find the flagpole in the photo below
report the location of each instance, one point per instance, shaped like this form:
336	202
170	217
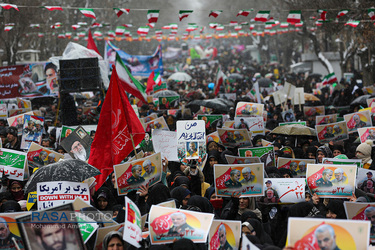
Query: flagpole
135	151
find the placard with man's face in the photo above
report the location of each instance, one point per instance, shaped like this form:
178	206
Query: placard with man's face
78	144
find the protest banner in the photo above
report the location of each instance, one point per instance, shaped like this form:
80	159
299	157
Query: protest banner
325	119
156	88
331	181
266	154
283	190
312	233
165	142
292	123
133	228
32	130
288	116
78	144
224	234
366	134
191	139
245	178
366	180
169	224
234	137
31	199
358	120
10	233
169	102
211	122
231	159
13	163
131	175
158	123
213	137
296	166
103	231
249	109
39	156
55	193
171	204
336	161
313	111
253	124
332	132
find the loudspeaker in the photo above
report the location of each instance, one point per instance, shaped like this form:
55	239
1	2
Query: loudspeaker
79	75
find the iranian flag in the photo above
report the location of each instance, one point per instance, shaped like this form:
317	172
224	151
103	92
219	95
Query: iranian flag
209	36
158	32
8	6
213	25
37	26
284	25
151	25
96	34
352	23
371	13
52	8
215	13
233	23
120	11
220	76
221	35
342	13
152	16
111	33
8	26
76	26
184	13
173	26
329	79
192	27
294	16
87	12
82	23
220	27
40	34
130	84
323	14
244	12
143	30
61	35
127	25
252	26
120	30
83	34
262	16
238	27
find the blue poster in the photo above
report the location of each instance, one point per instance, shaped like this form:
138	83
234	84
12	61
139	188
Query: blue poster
139	65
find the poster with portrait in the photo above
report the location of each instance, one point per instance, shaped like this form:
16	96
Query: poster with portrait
245	178
191	139
312	233
168	224
296	166
266	154
148	118
370	101
325	119
331	181
133	226
228	124
332	132
131	175
234	137
9	230
165	142
335	161
358	120
253	124
78	144
211	122
288	116
366	180
65	132
366	134
213	137
313	111
13	163
16	121
231	159
32	130
158	123
39	156
249	109
224	234
169	102
283	190
3	111
103	231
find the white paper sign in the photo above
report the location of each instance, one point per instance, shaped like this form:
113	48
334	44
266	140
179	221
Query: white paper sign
55	193
191	138
284	190
289	89
3	110
254	124
299	97
166	143
133	228
279	97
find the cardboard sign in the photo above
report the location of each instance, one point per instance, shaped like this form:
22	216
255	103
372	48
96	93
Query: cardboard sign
366	134
332	132
366	180
213	137
358	120
234	137
313	111
228	124
191	139
39	156
169	224
55	193
249	109
211	122
284	190
244	178
133	228
78	144
241	160
306	233
165	142
296	166
291	123
331	181
131	175
13	163
32	130
171	204
169	102
246	244
299	96
335	161
224	229
325	119
65	132
253	124
149	118
158	123
266	154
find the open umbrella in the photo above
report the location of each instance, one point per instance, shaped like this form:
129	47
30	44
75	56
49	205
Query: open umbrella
294	129
65	170
165	93
265	82
236	76
218	104
180	76
310	97
360	100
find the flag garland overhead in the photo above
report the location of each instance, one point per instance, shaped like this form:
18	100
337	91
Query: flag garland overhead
294	16
371	13
87	12
8	6
52	8
184	14
262	16
323	14
244	12
152	16
215	13
342	13
120	11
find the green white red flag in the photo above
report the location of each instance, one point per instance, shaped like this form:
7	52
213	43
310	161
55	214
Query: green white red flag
152	16
88	12
342	13
8	26
244	12
294	16
262	16
371	13
8	6
120	30
215	13
37	26
323	14
52	8
329	79
352	23
220	77
143	30
120	11
184	13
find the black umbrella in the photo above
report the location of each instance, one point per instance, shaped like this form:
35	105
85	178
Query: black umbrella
265	82
236	76
65	170
218	104
165	93
360	100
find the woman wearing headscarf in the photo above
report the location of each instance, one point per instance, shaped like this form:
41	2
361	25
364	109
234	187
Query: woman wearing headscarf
103	199
202	203
113	240
237	206
256	229
323	152
181	195
208	170
16	189
216	202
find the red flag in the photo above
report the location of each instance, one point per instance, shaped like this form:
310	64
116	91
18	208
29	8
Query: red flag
308	242
91	43
311	180
150	82
222	179
117	122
